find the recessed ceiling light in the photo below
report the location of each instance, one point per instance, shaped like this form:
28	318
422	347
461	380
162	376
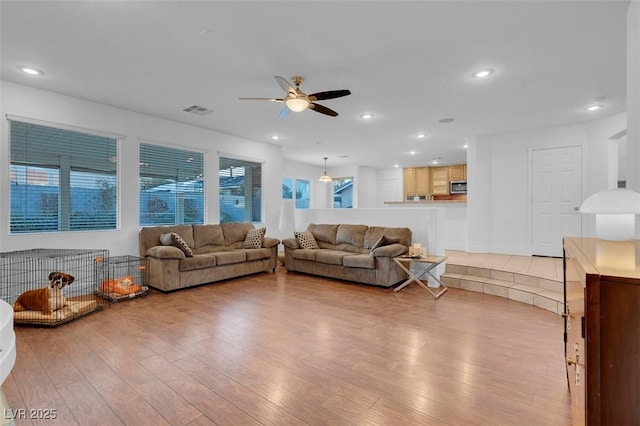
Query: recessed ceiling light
465	146
482	73
422	135
275	137
446	120
366	116
396	166
436	160
30	70
412	152
594	107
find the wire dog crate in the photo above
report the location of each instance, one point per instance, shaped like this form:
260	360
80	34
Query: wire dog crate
127	278
49	287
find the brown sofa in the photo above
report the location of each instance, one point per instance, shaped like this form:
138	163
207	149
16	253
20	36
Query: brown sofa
345	252
218	254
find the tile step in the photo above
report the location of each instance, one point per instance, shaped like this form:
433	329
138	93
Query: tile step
509	287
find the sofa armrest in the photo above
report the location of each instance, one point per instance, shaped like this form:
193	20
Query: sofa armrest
391	250
291	243
165	252
269	242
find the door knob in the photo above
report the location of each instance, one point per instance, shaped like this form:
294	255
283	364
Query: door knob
576	208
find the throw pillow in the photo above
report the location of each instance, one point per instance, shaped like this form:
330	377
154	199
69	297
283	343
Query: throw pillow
254	238
166	239
173	239
306	240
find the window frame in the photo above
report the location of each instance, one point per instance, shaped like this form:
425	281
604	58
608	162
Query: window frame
173	203
61	170
231	158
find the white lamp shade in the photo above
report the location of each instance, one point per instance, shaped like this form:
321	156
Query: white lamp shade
612	201
615	211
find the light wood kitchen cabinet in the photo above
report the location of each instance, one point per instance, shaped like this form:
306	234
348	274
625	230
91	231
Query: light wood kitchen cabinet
440	180
458	172
423	180
409	182
415	182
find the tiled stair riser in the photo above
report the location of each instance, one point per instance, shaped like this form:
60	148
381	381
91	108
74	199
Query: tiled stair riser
544	293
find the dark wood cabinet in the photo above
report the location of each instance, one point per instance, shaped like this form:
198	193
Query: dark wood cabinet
602	330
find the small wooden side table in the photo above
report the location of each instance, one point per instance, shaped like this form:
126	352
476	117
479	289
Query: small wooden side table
428	263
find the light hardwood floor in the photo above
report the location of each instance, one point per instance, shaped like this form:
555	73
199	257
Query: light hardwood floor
291	349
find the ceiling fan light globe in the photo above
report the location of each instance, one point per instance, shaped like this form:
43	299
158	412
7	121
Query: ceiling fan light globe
297	104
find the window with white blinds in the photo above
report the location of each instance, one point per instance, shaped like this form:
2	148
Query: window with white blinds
240	190
171	186
61	180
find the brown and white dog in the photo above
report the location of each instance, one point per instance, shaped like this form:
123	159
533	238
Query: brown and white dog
47	299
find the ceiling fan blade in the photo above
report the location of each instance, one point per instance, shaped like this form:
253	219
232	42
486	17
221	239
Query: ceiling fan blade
262	99
331	94
322	109
284	113
286	86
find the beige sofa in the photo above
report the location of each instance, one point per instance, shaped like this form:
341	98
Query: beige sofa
345	252
218	254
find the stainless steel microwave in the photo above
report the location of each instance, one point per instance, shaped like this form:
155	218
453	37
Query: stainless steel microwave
458	187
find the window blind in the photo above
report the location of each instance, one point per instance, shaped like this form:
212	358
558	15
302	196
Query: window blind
61	180
240	190
171	185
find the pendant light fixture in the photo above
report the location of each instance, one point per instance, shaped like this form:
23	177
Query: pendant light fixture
325	177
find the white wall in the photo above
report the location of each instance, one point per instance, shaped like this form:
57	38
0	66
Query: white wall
426	224
389	183
633	98
499	190
51	107
319	190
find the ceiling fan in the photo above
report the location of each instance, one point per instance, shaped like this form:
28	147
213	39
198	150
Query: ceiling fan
297	101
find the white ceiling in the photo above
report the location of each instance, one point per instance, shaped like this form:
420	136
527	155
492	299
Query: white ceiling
409	63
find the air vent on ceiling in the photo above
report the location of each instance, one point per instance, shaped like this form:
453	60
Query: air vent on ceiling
197	110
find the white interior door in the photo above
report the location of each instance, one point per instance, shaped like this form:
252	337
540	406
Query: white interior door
556	197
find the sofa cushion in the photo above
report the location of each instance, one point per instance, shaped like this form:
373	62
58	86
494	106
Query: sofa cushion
209	248
204	235
254	237
384	241
165	252
324	232
306	240
391	250
332	257
173	239
257	254
229	257
359	261
198	261
235	232
351	234
374	233
305	254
